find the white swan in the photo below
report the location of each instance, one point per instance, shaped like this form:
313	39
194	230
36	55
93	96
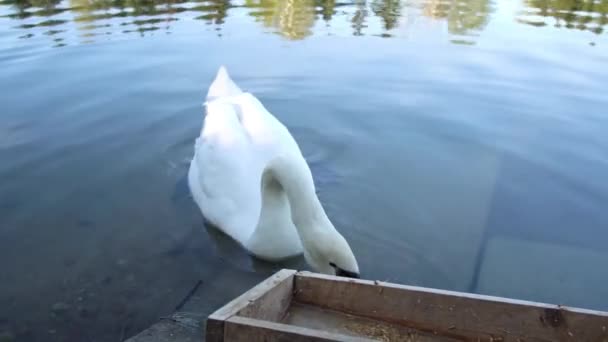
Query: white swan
250	180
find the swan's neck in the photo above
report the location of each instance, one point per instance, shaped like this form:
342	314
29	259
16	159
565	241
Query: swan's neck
307	212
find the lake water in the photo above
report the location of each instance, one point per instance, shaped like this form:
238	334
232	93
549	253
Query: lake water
461	145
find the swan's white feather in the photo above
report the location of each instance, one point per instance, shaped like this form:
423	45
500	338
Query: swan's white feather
226	177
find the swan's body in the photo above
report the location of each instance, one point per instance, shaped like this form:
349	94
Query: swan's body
249	179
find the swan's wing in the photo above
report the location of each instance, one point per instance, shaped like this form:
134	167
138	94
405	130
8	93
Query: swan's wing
225	173
269	136
238	140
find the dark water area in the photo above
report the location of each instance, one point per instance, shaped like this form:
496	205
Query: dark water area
460	145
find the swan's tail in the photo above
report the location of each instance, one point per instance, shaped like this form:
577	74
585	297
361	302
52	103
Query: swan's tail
222	86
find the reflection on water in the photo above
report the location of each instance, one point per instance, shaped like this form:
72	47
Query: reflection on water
588	15
389	11
292	19
463	17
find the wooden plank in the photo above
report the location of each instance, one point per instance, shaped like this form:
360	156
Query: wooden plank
244	329
452	313
272	304
215	322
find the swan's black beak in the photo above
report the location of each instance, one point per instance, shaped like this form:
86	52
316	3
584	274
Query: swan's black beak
343	273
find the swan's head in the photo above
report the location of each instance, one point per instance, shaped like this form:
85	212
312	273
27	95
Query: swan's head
331	254
342	260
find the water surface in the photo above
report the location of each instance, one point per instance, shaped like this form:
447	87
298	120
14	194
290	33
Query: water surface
457	144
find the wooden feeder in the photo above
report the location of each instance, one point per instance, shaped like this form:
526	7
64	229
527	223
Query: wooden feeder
303	306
